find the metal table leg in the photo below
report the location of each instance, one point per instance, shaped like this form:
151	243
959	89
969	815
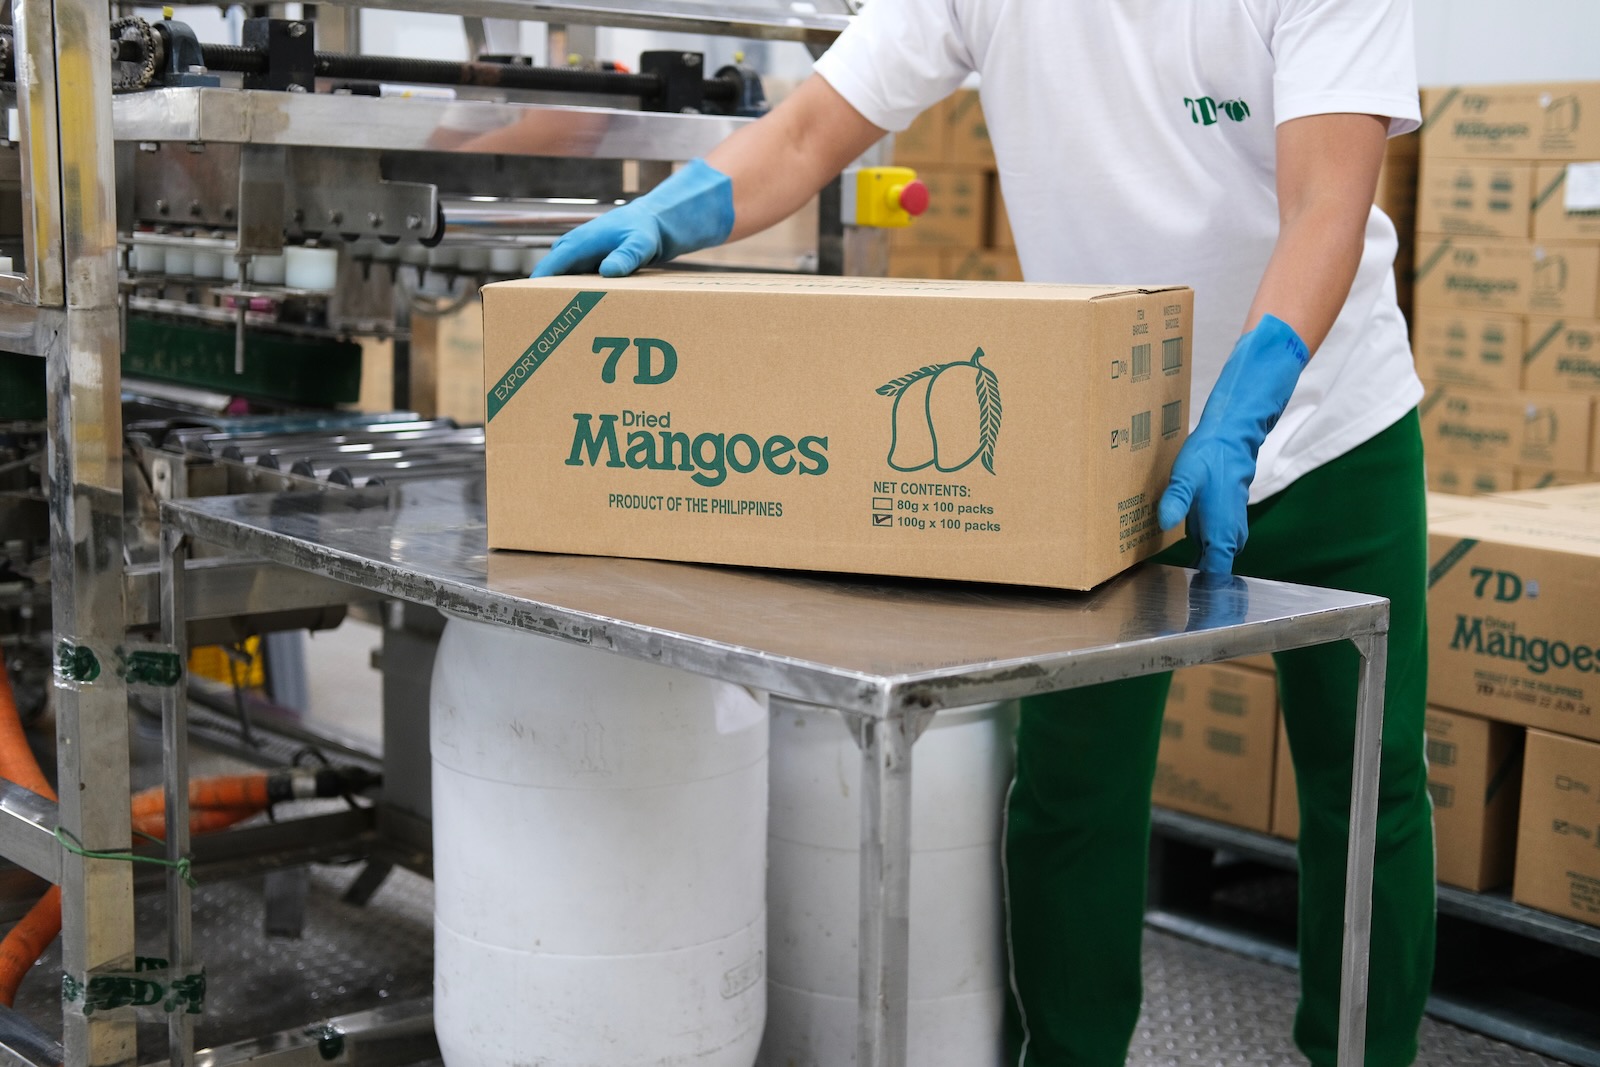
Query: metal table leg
1353	991
175	760
885	932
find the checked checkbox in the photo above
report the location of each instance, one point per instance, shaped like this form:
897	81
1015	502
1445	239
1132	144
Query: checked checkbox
883	520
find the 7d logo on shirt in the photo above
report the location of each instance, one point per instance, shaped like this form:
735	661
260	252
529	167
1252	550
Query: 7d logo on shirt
1204	110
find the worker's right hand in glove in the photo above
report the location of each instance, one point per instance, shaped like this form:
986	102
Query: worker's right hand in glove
689	211
1212	475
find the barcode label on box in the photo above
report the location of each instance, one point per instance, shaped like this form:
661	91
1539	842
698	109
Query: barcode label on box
1172	355
1141	430
1141	362
1225	741
1444	796
1224	703
1171	419
1441	753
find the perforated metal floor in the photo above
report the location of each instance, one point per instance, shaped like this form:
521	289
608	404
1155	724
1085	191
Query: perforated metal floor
1203	1006
1207	1006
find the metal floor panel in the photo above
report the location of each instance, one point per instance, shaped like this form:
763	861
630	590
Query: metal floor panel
349	959
1207	1006
1203	1006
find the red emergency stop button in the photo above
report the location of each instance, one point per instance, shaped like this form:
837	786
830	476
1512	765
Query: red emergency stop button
886	197
912	197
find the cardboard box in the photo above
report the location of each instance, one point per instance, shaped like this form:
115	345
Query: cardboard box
923	142
1397	181
1397	197
1511	277
966	130
1468	348
1543	478
1562	355
981	265
1285	801
1442	507
999	220
1552	121
1511	616
916	263
1558	861
865	425
1506	429
1475	781
1475	198
955	215
1465	478
1218	741
1580	496
1561	210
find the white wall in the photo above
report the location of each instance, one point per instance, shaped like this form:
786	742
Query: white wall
1507	40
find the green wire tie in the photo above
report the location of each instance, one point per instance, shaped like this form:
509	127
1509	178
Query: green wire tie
183	865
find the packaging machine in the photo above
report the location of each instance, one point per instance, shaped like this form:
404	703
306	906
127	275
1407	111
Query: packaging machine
196	240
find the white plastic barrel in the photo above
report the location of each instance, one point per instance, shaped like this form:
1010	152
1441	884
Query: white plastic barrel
599	830
961	768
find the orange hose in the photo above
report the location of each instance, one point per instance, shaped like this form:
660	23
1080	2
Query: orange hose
201	820
16	758
223	791
26	941
217	803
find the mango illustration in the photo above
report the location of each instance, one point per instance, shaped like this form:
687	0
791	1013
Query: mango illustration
911	446
945	416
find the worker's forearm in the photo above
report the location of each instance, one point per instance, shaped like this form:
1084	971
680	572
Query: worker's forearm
780	161
1311	270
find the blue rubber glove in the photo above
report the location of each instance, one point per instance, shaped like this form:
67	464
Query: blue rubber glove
689	211
1211	478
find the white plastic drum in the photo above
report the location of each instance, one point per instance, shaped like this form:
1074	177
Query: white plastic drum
599	830
961	769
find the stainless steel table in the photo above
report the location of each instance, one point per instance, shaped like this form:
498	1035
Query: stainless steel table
887	654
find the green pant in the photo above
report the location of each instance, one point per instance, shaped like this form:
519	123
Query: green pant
1078	819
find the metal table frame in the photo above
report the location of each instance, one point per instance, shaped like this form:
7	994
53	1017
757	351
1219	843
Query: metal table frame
888	706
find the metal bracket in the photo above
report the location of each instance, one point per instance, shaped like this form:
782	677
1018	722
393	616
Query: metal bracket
291	51
682	75
333	192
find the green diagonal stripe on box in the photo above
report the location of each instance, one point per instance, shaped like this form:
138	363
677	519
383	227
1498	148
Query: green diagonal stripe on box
1540	345
1432	261
1450	559
1548	192
1439	107
535	354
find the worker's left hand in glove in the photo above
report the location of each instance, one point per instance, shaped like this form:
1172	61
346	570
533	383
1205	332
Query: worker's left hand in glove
1211	478
689	211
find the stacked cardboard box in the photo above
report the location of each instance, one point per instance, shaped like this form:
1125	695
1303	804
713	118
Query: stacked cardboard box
1218	745
1513	723
1512	585
1506	329
964	234
1397	198
1474	781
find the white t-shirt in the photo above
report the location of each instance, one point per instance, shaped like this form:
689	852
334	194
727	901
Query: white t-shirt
1135	141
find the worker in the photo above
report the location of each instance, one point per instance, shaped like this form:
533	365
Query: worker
1233	145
